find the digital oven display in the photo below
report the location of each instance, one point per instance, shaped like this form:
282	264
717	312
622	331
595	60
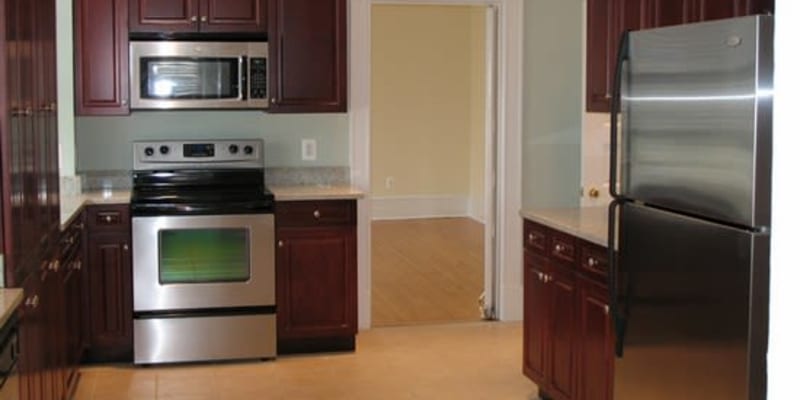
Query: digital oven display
198	150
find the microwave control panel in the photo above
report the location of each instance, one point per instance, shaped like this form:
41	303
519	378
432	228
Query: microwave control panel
258	78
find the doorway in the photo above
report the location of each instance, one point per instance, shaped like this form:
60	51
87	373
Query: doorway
432	162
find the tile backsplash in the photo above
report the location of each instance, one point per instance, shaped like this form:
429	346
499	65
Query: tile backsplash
596	152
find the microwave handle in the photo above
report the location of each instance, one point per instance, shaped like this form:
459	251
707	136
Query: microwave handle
243	74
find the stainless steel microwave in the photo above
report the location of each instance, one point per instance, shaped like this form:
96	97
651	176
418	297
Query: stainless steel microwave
199	75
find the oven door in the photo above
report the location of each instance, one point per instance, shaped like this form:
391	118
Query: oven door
203	262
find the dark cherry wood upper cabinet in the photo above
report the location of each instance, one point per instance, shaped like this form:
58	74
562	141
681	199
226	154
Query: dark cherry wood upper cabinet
308	55
608	19
164	16
101	57
671	12
233	16
601	31
198	16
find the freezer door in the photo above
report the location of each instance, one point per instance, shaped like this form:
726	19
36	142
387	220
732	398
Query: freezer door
692	309
696	119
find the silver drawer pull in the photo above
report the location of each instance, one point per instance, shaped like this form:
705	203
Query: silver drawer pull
280	243
592	262
317	214
560	248
606	309
107	218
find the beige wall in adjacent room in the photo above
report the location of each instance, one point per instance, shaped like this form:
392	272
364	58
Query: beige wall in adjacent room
428	100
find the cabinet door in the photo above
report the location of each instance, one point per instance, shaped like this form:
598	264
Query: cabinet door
31	350
71	309
536	306
316	282
308	55
564	323
234	16
110	297
671	12
595	337
601	31
101	57
163	16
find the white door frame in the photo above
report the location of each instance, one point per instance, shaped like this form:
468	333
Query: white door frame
507	300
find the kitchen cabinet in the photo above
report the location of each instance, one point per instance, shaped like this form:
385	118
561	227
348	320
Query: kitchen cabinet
70	307
308	56
608	19
566	330
101	57
165	17
29	176
110	284
316	275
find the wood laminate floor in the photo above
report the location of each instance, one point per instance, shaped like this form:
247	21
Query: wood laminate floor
426	271
480	360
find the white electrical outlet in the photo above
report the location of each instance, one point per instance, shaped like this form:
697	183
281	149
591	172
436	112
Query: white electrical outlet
389	182
309	149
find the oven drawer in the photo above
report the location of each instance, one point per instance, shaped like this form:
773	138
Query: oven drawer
113	217
315	213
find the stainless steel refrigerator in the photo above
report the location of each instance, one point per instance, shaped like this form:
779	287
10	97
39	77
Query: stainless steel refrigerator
690	177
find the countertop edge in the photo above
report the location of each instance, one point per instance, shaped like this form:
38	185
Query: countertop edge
590	226
11	299
302	193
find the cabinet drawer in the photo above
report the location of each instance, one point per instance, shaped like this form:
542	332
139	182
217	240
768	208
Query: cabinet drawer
109	218
535	237
315	213
594	259
562	247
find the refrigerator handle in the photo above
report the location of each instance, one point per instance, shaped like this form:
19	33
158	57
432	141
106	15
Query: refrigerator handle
617	320
616	106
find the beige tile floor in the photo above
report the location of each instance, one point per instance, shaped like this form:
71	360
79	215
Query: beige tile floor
461	361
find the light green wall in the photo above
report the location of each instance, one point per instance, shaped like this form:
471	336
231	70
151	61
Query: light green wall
66	93
104	143
552	103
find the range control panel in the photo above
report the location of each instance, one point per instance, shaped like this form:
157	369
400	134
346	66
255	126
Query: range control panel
246	153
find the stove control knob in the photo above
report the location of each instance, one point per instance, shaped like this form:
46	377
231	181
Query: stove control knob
233	149
248	150
149	151
164	150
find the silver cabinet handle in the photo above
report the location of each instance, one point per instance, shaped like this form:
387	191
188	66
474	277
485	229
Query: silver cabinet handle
32	302
606	309
193	18
203	19
78	265
530	238
592	262
125	247
317	214
55	265
280	243
541	276
559	248
273	100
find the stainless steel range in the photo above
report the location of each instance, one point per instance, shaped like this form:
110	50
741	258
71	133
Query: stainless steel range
203	252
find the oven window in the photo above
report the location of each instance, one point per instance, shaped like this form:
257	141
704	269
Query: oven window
189	78
204	255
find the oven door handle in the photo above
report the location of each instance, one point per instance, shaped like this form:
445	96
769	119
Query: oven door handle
243	81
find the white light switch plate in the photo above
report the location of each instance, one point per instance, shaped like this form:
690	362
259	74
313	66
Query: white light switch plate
309	149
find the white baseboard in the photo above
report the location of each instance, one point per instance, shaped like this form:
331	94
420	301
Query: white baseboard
408	207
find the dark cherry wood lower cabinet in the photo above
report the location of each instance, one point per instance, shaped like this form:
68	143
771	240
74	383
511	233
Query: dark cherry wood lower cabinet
567	340
110	285
596	354
316	276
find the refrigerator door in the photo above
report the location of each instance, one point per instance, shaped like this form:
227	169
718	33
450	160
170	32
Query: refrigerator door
689	325
696	119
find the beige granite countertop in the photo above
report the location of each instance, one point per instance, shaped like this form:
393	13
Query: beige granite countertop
71	203
588	223
315	192
9	300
